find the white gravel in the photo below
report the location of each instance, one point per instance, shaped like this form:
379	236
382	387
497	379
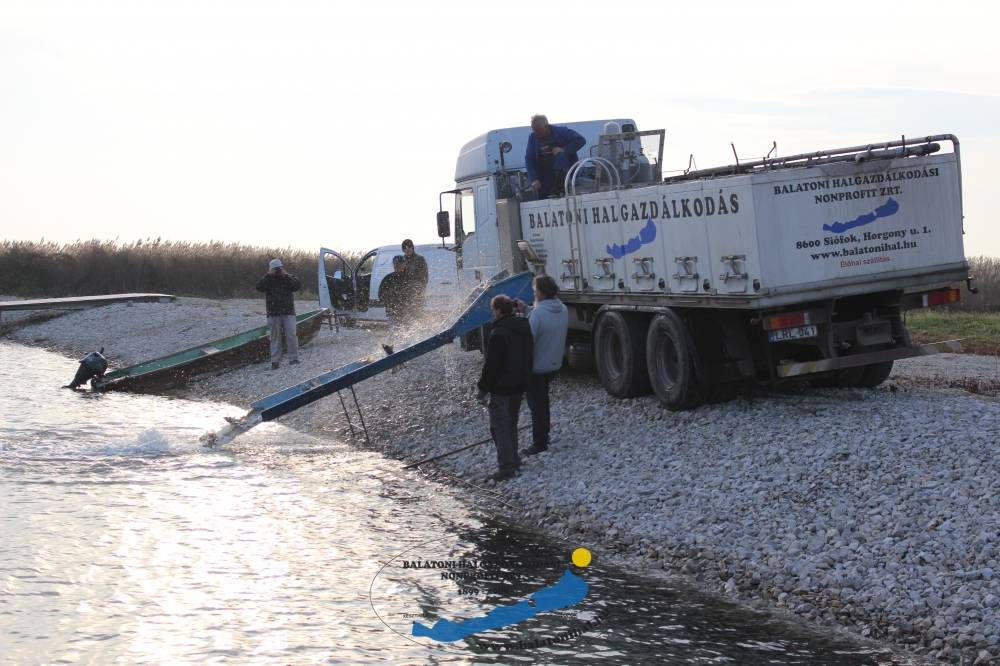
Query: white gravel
877	511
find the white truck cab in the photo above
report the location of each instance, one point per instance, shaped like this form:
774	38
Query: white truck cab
491	167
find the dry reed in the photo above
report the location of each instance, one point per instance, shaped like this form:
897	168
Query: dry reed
213	270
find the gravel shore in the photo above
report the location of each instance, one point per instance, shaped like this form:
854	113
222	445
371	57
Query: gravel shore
876	511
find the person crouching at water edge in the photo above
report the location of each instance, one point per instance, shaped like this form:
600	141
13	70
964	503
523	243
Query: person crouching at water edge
505	375
279	287
92	365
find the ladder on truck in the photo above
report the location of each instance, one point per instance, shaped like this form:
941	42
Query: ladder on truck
575	262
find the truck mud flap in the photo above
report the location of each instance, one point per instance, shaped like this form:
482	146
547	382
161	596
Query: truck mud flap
787	370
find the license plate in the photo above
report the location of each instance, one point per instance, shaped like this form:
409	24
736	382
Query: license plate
783	334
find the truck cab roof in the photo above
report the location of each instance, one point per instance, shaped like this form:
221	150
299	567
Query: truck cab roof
481	156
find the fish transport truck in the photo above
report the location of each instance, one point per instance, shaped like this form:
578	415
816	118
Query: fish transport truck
691	284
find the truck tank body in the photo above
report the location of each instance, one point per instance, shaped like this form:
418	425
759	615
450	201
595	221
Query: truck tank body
762	271
758	240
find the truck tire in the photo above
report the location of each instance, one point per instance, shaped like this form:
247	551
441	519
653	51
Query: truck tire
875	374
620	351
722	392
673	363
847	378
865	376
580	357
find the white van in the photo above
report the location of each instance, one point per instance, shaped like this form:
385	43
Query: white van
352	287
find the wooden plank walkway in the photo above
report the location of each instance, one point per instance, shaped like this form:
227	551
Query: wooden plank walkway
79	302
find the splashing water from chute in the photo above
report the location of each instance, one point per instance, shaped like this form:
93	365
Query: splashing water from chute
291	398
234	428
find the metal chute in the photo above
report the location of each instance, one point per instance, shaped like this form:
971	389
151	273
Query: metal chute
476	315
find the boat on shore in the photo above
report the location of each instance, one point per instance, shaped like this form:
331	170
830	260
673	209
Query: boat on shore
174	369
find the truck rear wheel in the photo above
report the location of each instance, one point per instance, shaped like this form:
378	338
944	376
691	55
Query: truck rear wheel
580	357
847	378
875	374
865	376
620	349
673	363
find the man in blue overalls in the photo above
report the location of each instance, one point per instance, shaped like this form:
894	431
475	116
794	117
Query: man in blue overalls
551	152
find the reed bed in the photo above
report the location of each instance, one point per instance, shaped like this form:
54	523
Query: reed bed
91	267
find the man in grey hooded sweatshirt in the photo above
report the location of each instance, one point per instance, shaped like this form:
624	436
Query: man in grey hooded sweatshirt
549	321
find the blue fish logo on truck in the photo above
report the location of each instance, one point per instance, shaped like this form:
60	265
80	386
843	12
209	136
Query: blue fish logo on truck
890	207
646	236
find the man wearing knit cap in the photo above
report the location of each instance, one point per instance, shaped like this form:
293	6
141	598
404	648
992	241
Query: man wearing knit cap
279	287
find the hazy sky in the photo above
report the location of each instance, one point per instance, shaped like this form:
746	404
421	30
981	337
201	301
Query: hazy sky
316	123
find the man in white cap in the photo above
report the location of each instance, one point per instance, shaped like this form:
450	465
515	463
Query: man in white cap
279	287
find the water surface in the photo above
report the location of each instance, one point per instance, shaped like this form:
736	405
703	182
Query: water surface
124	541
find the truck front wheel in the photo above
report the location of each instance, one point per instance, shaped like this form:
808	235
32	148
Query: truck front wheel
672	363
619	346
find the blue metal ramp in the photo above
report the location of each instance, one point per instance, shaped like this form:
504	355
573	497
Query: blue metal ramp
477	314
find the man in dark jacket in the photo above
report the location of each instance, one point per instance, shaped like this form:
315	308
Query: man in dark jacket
396	294
505	375
417	275
551	152
279	287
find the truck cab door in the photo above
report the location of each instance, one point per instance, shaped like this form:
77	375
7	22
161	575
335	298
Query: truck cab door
336	281
481	247
486	226
363	281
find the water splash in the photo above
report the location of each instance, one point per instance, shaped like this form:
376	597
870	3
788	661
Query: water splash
147	443
234	428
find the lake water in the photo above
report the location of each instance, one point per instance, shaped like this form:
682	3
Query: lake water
122	540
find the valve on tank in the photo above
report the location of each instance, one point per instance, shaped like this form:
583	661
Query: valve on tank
625	153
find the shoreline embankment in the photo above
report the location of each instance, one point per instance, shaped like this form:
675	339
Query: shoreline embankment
871	511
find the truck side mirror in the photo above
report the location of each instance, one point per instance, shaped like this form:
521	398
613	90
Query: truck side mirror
444	224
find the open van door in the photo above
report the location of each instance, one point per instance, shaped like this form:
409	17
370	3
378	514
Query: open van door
363	281
335	281
342	285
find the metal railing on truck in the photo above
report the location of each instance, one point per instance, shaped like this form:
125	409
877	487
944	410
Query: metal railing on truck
898	148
